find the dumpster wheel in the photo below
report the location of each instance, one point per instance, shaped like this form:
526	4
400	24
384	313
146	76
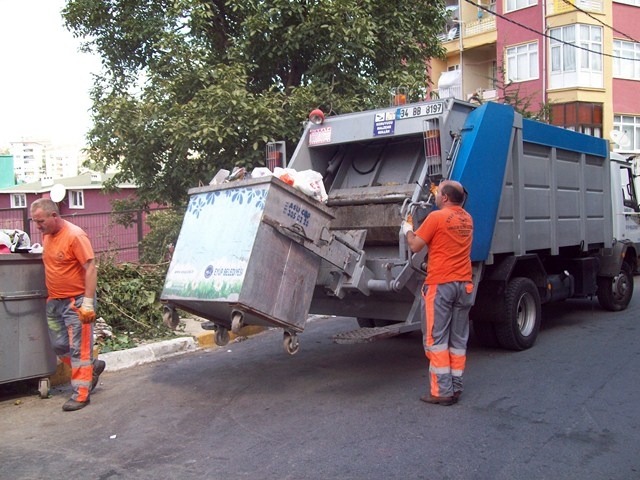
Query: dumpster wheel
44	387
290	343
221	337
237	322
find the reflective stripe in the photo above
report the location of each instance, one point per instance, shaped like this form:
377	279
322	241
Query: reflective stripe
438	348
429	311
440	370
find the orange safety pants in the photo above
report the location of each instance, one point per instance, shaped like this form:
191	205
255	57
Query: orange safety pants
445	332
72	341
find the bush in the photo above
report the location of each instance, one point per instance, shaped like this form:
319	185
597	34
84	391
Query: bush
129	295
129	302
158	244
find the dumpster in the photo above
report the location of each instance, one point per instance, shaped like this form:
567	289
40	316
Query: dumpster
25	350
237	261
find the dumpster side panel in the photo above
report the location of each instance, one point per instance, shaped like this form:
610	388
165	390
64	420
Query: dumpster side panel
280	281
215	243
25	351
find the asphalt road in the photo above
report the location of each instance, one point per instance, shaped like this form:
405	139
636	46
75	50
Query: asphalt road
566	409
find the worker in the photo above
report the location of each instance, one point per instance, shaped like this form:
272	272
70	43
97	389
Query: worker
447	292
71	280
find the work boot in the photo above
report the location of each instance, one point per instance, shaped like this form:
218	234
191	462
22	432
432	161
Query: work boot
98	368
72	405
445	401
456	396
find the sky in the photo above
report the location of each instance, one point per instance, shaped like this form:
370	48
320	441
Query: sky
44	79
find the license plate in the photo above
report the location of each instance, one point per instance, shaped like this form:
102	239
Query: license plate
435	108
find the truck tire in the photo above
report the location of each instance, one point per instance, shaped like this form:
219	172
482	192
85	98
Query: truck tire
521	315
614	294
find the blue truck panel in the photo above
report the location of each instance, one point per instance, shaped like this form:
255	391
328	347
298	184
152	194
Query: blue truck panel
480	167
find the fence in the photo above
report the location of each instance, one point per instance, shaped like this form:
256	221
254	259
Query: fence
106	230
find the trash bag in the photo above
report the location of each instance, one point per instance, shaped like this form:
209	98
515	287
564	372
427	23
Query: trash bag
14	241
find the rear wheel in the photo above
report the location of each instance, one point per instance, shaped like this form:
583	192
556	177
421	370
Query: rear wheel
614	293
521	315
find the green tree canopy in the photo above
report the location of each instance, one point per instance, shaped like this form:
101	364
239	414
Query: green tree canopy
192	86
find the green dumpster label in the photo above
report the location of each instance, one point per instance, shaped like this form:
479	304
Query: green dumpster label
215	242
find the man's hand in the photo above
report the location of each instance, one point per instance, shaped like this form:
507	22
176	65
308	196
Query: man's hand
86	313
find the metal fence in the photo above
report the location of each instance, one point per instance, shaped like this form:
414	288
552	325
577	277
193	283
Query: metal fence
108	235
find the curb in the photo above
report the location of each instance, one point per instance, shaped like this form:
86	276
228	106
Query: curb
147	353
152	352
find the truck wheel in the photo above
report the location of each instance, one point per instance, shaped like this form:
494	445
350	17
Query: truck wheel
614	294
521	315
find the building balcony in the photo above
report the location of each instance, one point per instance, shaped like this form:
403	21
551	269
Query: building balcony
560	6
475	33
482	25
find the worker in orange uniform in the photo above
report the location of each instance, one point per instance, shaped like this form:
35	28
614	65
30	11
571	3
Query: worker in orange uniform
71	280
447	293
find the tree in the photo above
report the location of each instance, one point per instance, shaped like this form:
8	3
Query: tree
192	86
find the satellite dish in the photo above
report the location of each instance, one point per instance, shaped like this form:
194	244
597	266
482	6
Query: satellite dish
620	138
58	192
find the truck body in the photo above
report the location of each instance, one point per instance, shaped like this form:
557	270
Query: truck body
546	207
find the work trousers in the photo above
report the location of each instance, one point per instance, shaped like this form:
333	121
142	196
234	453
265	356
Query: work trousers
72	341
445	332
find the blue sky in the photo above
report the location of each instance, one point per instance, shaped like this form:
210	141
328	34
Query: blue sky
44	79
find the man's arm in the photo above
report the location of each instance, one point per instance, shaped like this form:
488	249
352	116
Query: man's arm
87	313
90	279
415	242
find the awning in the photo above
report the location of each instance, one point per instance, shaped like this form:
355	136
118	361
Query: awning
450	78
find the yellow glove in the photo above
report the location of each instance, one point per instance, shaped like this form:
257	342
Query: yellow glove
86	313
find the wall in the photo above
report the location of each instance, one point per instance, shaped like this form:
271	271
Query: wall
7	177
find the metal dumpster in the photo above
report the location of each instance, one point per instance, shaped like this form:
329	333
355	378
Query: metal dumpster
236	261
25	350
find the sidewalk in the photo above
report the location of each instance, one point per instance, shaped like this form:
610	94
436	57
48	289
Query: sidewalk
192	338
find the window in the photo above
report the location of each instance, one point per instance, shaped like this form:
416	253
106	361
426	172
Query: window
522	62
583	117
629	139
18	200
576	56
511	5
625	60
76	199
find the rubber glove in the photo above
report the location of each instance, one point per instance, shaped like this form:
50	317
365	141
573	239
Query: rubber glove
407	225
86	313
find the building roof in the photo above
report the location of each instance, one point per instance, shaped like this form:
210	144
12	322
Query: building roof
85	181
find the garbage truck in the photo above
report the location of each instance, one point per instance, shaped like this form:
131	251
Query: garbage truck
547	204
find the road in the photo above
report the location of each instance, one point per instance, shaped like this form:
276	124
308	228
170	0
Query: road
566	409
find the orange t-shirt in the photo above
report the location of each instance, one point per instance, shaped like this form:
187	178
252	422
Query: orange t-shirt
64	256
448	234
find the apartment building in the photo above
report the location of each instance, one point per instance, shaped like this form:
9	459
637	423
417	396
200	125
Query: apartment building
34	160
575	62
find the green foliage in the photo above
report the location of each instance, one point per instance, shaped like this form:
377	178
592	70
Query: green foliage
192	86
158	244
128	301
510	94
